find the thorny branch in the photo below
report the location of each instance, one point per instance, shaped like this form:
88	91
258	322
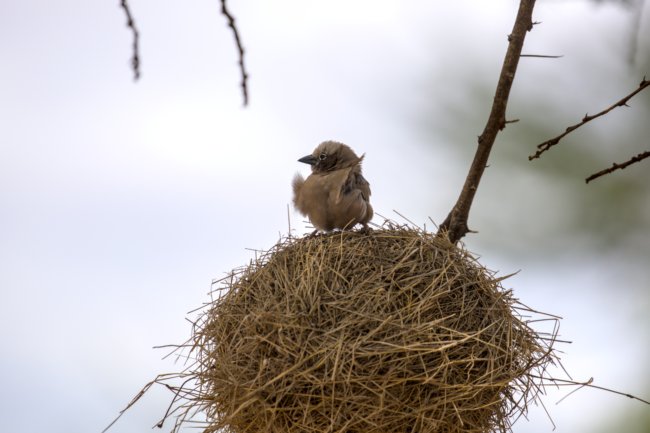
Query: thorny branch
130	23
235	32
543	147
455	225
616	166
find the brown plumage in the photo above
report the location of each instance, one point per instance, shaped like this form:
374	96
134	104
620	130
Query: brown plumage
335	195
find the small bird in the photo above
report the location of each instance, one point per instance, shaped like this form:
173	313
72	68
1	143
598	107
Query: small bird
335	195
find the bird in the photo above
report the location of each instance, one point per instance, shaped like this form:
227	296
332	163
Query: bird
335	195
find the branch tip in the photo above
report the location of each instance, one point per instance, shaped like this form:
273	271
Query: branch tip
543	147
619	166
231	23
130	23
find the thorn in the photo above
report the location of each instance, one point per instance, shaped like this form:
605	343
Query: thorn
542	56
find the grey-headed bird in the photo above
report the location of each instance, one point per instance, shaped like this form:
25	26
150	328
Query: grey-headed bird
335	195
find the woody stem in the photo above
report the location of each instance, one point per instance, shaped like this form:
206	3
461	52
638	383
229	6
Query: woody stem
455	225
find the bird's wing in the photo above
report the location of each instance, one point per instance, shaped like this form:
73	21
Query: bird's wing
355	180
363	185
336	184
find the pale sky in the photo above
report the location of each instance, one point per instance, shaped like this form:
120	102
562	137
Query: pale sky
121	201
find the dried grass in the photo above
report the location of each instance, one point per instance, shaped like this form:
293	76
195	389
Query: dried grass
392	331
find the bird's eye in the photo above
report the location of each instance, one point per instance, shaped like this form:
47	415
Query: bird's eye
322	156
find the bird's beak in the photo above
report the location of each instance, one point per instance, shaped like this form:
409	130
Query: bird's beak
309	159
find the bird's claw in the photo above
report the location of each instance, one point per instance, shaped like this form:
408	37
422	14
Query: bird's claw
365	230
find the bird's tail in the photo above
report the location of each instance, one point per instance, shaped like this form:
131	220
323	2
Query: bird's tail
296	184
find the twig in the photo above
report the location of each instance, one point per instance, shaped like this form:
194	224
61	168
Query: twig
588	384
543	147
177	393
616	166
235	32
455	225
130	23
135	399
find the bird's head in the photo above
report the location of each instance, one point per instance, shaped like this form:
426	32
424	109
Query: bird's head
331	155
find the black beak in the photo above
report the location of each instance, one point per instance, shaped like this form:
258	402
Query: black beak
309	159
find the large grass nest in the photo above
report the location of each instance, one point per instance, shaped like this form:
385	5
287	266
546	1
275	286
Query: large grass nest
395	330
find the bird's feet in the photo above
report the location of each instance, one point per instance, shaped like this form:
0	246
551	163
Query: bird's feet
365	230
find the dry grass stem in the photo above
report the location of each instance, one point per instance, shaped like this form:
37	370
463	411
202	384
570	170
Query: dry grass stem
395	330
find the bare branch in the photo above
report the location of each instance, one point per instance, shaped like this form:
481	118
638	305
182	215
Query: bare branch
240	48
455	225
543	147
616	166
130	23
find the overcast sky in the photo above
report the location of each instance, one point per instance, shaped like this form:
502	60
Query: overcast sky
121	201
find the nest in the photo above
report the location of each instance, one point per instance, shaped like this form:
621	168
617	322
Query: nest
395	330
